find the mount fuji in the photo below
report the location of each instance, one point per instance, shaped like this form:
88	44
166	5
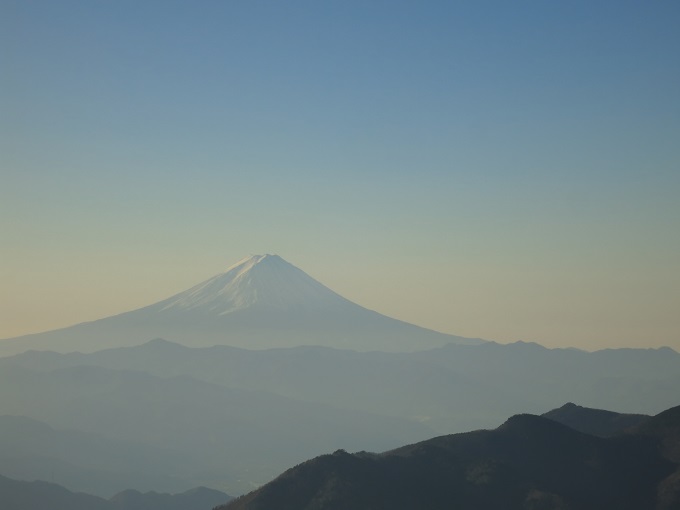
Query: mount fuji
260	302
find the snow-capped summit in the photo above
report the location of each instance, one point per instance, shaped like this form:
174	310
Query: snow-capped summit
260	302
258	280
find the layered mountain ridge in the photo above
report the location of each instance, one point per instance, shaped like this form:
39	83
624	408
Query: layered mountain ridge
30	495
528	463
162	416
258	303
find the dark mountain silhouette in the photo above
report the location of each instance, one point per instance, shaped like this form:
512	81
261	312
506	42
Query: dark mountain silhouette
35	495
664	429
260	302
529	462
596	422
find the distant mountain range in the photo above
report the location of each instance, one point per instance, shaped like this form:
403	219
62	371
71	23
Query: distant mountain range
165	417
36	495
260	302
449	389
528	463
104	430
85	461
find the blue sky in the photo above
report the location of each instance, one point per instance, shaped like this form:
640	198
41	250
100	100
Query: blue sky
508	170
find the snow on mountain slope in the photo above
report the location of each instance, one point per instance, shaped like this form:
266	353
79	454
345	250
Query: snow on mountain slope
258	280
260	302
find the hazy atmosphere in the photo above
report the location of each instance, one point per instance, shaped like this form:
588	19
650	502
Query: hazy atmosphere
330	255
503	170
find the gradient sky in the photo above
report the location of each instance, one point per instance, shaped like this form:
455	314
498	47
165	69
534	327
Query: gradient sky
505	170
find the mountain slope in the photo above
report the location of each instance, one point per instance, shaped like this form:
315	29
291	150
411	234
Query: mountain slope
596	422
260	302
665	429
18	495
528	463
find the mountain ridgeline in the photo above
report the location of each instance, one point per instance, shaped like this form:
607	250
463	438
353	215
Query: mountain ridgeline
260	302
35	495
165	417
528	463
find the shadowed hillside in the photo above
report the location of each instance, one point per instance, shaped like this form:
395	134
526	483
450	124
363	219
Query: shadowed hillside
529	462
596	422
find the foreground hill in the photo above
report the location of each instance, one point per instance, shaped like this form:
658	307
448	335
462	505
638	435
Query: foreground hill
260	302
17	495
529	462
664	429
